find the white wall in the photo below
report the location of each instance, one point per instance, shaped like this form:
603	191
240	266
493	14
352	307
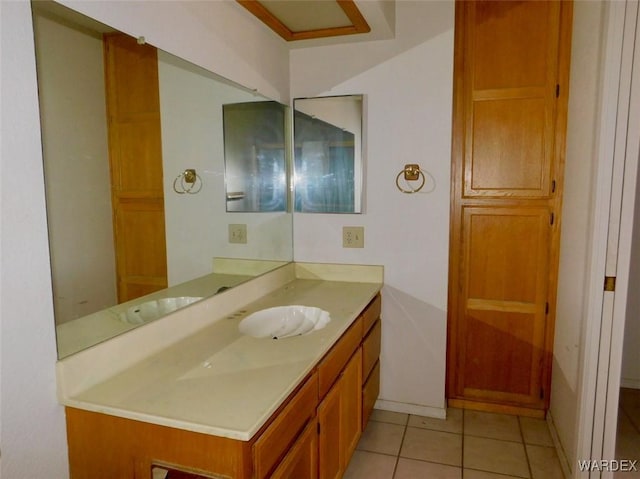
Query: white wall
581	160
32	434
220	36
631	350
76	157
408	87
32	431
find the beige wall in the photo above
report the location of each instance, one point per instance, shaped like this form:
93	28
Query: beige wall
631	350
581	161
76	162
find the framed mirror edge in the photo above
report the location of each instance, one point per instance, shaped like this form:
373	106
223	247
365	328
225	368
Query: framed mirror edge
344	169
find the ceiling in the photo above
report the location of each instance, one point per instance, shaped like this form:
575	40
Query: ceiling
306	21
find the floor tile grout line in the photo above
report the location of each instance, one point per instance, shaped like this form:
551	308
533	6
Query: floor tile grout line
524	445
462	447
404	433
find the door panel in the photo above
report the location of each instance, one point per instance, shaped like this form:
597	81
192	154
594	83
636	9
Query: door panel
506	253
525	31
509	97
135	158
510	161
503	305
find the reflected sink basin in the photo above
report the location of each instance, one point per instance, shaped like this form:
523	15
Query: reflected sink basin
150	310
284	322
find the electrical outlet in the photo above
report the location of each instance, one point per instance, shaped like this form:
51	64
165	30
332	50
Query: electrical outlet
353	237
238	234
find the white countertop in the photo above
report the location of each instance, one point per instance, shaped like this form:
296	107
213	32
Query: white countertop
220	382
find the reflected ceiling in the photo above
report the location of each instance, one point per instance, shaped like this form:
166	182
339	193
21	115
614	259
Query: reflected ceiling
307	19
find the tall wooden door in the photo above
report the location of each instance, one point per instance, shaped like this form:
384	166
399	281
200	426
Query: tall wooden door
135	156
510	100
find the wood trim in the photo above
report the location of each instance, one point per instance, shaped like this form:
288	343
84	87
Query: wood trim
497	408
504	306
562	106
359	23
455	223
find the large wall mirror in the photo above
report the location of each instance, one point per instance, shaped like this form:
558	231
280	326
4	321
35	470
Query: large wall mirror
328	154
136	205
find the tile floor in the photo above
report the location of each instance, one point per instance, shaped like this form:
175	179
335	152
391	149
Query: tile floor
467	445
628	436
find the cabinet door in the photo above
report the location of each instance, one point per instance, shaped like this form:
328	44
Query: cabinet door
329	455
509	97
340	419
302	459
351	406
504	295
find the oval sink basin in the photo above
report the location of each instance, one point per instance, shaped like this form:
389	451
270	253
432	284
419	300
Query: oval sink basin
150	310
284	322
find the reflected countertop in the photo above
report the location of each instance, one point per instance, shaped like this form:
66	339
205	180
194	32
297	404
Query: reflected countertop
217	381
77	334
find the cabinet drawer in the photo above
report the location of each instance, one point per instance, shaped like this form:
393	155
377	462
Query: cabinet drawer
336	359
371	313
278	437
370	392
371	349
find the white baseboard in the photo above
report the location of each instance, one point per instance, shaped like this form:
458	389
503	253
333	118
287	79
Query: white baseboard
562	456
418	410
630	383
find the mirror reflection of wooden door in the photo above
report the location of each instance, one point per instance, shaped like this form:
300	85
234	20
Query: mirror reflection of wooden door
135	157
510	99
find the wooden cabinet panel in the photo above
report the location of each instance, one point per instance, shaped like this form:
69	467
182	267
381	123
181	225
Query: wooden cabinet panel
371	314
336	359
526	35
139	152
272	444
514	160
329	452
508	96
371	349
135	158
370	392
107	447
506	254
340	419
511	68
351	405
302	460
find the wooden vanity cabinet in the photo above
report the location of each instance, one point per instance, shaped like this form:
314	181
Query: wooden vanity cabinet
312	435
339	419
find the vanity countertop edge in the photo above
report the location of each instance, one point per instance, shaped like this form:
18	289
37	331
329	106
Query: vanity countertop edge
215	380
